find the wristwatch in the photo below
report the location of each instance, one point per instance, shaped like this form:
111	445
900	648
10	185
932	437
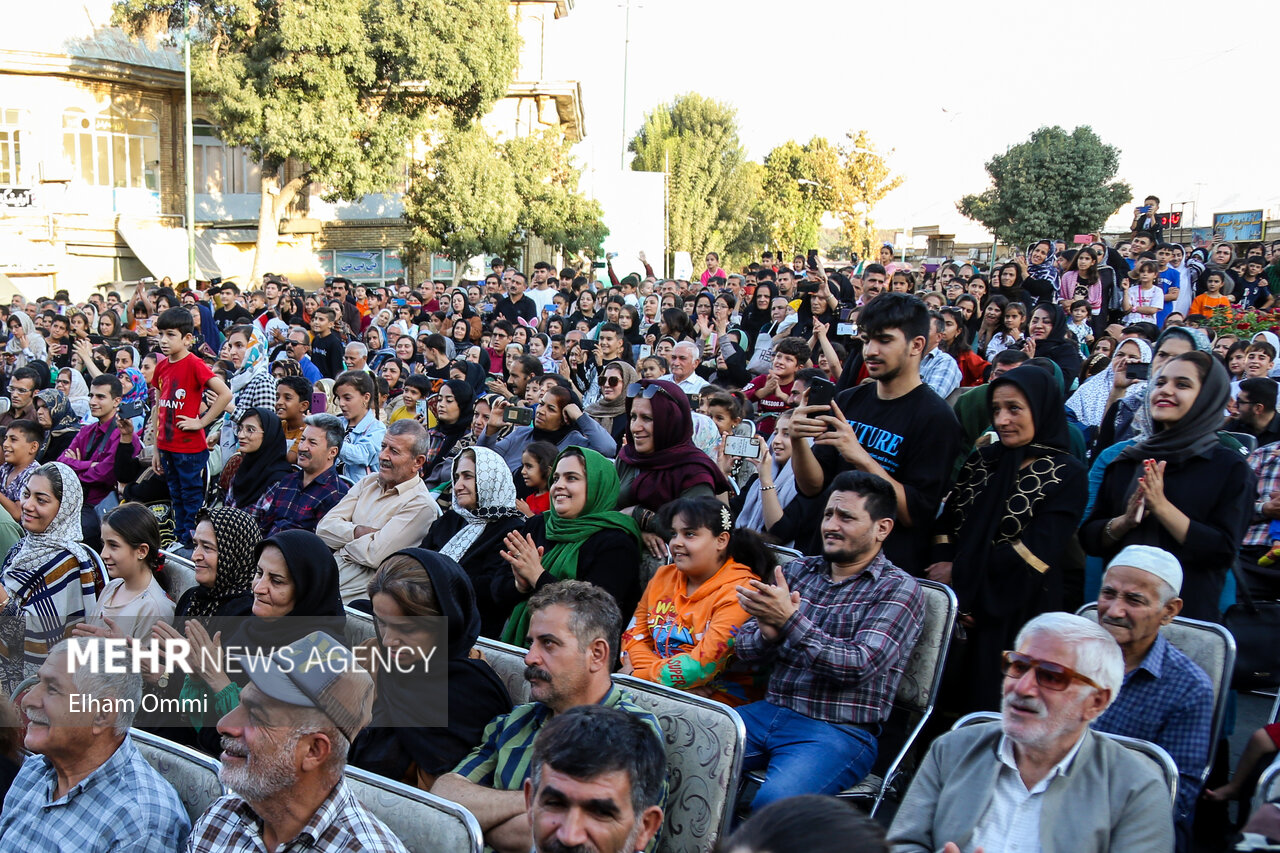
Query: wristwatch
163	682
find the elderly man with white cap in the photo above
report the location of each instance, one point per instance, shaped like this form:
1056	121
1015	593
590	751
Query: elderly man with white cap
1165	698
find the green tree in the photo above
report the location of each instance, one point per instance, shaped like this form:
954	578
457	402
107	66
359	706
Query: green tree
1054	185
802	183
546	189
340	88
695	140
460	201
867	179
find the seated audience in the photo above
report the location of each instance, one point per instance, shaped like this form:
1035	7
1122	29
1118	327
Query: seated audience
1040	778
558	419
472	530
133	601
682	632
596	783
837	654
22	439
386	511
299	499
86	787
92	453
262	463
1256	411
1165	697
415	736
284	753
50	580
572	638
581	537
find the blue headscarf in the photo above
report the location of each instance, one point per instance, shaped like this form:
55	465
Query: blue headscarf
209	334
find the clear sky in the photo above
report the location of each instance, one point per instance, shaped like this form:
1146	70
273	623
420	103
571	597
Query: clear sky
1184	89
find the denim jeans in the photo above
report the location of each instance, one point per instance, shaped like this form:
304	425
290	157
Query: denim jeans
185	475
803	755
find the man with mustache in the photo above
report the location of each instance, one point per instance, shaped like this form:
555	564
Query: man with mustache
598	774
87	787
573	638
303	497
1165	698
1040	779
284	754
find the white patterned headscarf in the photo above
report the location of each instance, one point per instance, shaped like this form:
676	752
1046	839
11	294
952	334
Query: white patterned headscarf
495	499
63	535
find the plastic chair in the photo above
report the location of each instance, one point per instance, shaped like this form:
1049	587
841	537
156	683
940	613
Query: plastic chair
179	574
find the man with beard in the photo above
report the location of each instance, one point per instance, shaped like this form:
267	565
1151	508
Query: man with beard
284	753
838	630
86	787
596	783
305	496
573	637
1165	697
1040	779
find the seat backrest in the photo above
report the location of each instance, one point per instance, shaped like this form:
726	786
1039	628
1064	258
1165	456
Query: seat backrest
1145	748
705	741
424	823
192	774
918	690
1268	790
508	662
1213	649
359	627
179	574
1249	442
783	555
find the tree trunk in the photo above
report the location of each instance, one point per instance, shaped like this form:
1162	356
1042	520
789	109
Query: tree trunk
275	200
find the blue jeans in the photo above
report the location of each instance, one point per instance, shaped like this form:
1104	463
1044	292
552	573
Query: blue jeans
803	755
185	475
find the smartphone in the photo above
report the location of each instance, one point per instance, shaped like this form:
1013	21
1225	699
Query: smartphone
848	330
1138	371
645	351
812	259
587	345
821	393
847	312
517	416
695	400
744	446
1146	208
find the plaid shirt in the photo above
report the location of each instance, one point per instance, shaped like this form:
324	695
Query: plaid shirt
940	372
289	504
340	825
1265	462
842	653
1167	700
123	805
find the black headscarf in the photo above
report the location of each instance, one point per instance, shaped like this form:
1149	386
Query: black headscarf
454	432
1052	438
317	606
264	466
476	374
1060	346
754	318
397	736
1196	434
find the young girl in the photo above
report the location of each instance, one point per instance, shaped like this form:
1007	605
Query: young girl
133	600
357	399
1205	303
1011	335
683	629
652	367
1144	300
535	468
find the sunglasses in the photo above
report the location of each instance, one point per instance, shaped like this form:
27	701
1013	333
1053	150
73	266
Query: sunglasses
1050	676
610	381
637	389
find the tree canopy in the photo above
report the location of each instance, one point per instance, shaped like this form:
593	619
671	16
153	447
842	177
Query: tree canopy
1054	185
340	87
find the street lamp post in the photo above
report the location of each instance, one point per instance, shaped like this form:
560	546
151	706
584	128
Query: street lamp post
190	149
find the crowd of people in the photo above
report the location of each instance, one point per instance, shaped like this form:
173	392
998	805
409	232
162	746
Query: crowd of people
730	485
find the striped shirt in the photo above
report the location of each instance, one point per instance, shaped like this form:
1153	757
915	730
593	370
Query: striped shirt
123	805
842	653
340	825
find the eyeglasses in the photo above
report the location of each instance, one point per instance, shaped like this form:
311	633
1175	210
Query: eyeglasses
1050	676
610	381
247	430
13	389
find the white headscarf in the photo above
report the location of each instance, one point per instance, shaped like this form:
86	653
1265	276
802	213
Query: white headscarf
64	533
1089	402
495	498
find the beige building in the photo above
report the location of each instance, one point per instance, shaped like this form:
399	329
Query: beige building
92	175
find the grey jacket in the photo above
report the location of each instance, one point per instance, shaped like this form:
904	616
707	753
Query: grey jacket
586	433
1110	799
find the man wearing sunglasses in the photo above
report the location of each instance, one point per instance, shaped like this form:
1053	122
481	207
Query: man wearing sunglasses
1040	779
1165	698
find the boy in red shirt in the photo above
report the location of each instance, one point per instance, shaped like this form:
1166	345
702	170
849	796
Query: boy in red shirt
182	449
771	391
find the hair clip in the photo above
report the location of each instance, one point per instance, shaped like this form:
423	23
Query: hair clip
726	520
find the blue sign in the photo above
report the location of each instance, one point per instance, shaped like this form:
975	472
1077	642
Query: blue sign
1242	226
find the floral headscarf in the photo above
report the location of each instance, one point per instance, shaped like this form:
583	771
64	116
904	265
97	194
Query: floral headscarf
60	413
138	394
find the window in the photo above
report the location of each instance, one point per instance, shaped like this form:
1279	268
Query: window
10	147
113	148
218	168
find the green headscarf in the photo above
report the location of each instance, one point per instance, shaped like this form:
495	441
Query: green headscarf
569	534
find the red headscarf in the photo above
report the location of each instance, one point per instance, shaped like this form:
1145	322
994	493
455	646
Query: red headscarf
676	464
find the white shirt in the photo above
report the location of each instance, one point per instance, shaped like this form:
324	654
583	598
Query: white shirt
541	298
1139	298
692	385
1011	822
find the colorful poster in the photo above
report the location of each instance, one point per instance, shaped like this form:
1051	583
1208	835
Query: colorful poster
1241	226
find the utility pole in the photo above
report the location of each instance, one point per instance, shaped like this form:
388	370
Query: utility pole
190	150
626	56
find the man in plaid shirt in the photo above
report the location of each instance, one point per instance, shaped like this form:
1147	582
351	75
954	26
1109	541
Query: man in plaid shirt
839	630
302	498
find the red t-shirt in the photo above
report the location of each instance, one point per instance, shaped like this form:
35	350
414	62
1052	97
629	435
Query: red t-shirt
539	503
768	407
180	385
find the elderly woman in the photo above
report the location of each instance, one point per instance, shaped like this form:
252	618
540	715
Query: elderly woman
1005	526
53	412
49	580
1179	488
559	419
472	530
425	719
